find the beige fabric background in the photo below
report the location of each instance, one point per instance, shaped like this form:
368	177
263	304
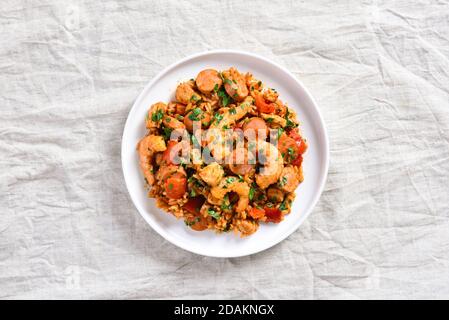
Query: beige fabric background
69	73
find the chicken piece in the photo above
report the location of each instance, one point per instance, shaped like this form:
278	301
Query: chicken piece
212	174
156	143
186	94
270	95
246	227
155	115
273	164
173	123
290	179
274	120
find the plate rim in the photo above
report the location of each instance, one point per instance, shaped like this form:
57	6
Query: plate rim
325	166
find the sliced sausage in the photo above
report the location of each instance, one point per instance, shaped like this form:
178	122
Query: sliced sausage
208	80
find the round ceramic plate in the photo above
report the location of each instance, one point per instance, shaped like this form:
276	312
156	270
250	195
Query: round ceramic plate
315	165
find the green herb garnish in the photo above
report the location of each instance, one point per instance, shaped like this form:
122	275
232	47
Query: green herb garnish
157	116
191	223
251	193
290	124
166	133
195	141
218	117
225	98
282	181
213	214
280	132
226	205
283	205
195	113
230	180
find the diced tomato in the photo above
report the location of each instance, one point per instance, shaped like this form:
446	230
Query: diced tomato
297	161
295	135
273	215
168	155
302	147
257	213
288	147
194	204
263	106
299	140
176	186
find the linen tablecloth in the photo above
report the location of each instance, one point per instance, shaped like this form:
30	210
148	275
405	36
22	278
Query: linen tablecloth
70	71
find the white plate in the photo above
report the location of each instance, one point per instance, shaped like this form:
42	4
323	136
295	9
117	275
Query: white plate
316	159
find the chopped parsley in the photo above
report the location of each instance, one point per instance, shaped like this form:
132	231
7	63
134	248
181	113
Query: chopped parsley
280	132
240	178
232	111
170	186
290	124
226	205
195	141
213	214
283	205
252	190
225	98
230	180
194	98
218	117
228	81
216	87
191	223
166	133
195	113
282	182
269	120
157	116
